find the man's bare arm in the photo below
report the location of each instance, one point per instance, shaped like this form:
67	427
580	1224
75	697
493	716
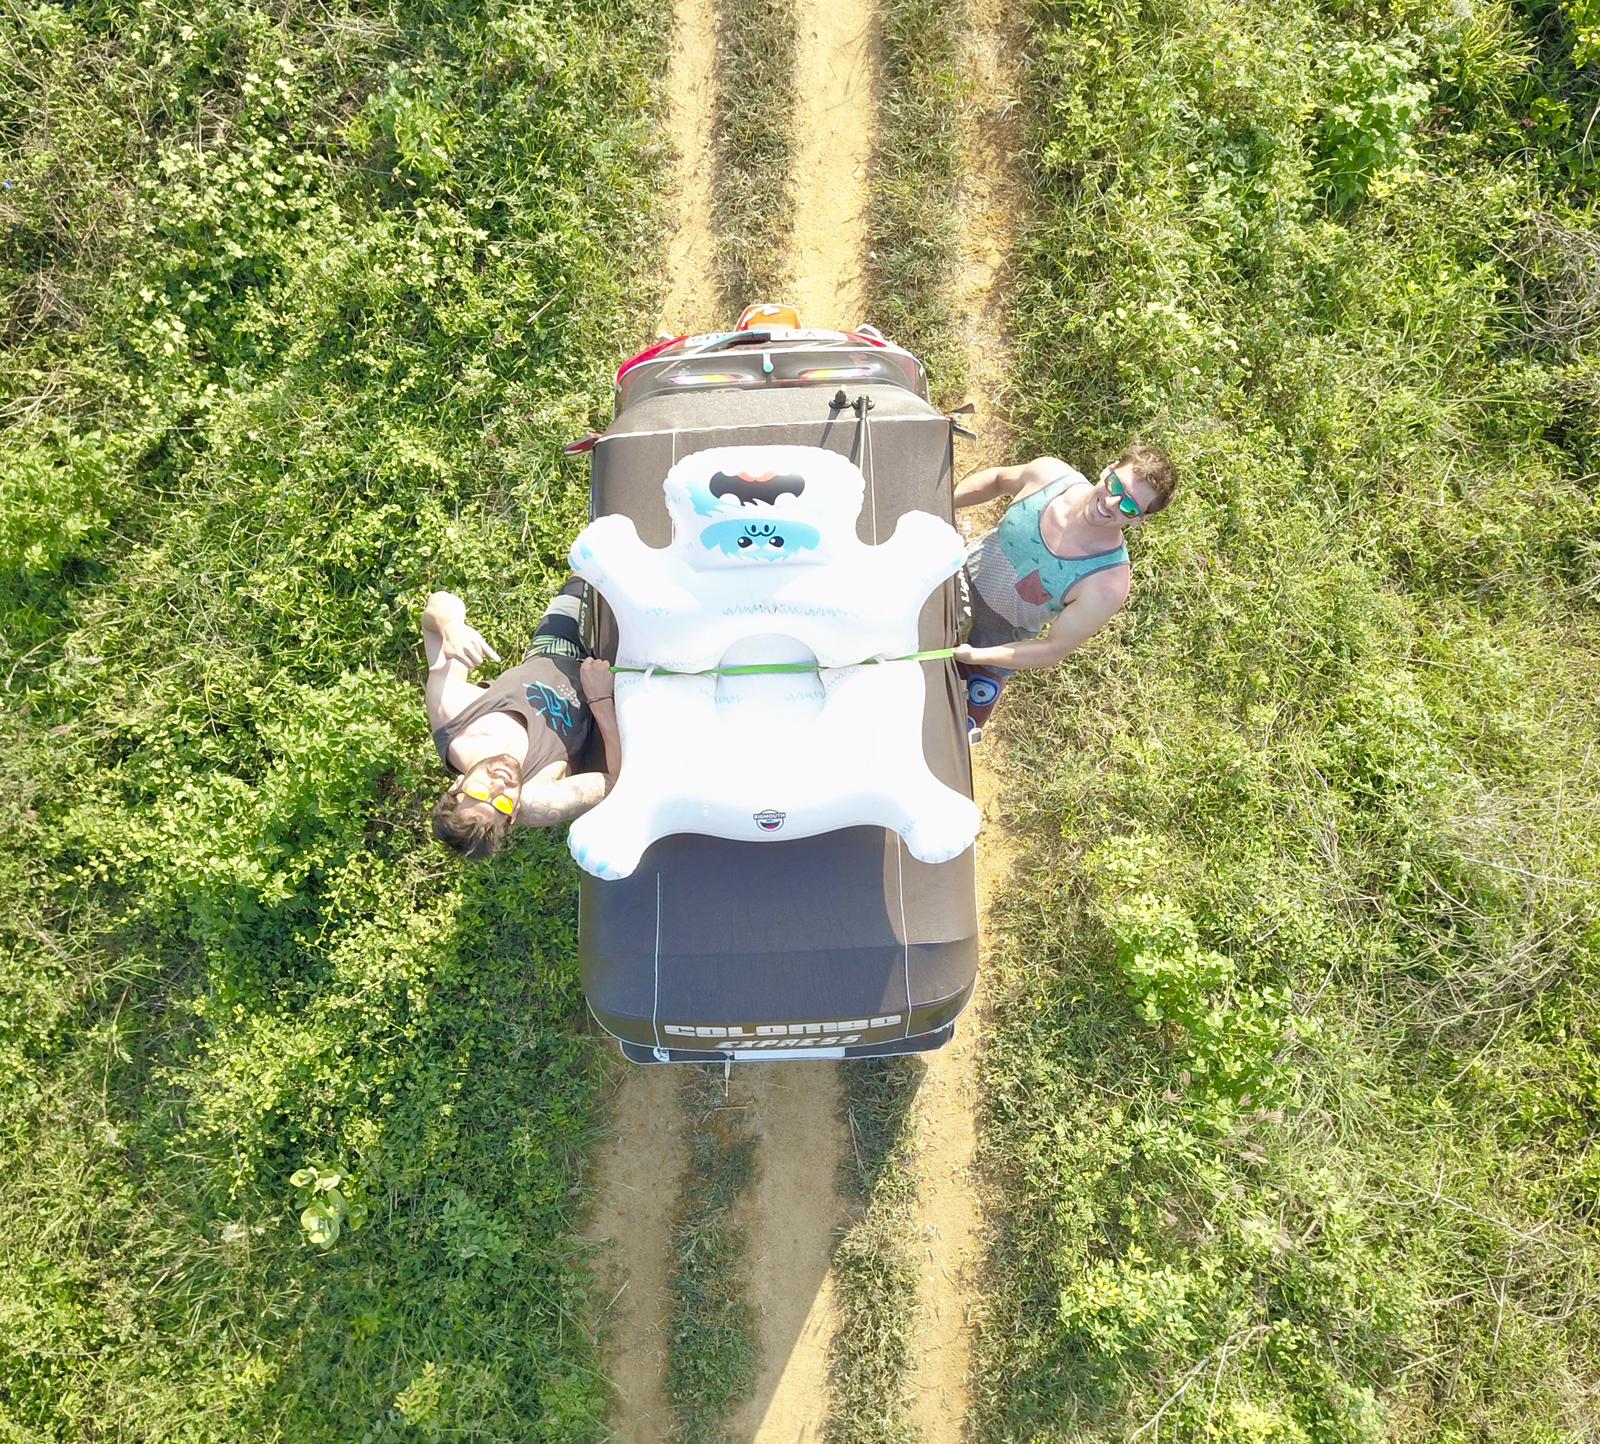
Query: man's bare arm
995	481
599	686
1080	619
543	804
985	485
453	650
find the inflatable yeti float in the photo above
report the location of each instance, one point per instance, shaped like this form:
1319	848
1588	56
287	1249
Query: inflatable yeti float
765	568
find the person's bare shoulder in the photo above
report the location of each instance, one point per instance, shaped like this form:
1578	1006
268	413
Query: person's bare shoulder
1043	470
1107	590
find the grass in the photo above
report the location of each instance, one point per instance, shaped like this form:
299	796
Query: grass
753	188
302	304
875	1266
712	1365
1292	1086
913	219
1292	1090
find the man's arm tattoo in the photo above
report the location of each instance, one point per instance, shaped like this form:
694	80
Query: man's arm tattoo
562	801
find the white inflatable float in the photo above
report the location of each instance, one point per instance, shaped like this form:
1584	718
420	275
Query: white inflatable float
765	569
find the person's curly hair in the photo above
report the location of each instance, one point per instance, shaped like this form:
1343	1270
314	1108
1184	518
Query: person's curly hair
1155	469
463	829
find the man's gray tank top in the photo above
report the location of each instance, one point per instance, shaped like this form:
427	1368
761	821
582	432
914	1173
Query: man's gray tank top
544	692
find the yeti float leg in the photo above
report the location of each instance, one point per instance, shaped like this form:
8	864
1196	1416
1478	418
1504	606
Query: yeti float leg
658	719
898	789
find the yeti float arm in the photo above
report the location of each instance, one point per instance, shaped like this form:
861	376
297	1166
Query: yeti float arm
609	555
923	551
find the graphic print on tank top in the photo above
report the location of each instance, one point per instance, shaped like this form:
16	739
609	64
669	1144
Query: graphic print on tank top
1031	589
553	707
544	694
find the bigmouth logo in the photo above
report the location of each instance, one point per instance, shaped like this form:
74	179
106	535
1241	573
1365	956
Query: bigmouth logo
769	821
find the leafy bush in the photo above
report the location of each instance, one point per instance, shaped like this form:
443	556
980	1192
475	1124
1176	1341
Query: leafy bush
330	1204
303	305
1373	107
1288	1097
1584	18
1230	1036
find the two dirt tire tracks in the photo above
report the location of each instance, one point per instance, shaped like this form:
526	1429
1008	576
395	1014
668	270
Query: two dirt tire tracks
793	1211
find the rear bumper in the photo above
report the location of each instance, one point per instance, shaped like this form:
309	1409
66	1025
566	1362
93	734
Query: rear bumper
927	1025
921	1043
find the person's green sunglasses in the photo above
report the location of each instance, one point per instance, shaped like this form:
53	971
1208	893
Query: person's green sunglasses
1127	506
504	802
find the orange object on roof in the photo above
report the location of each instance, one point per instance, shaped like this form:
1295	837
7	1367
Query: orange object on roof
764	314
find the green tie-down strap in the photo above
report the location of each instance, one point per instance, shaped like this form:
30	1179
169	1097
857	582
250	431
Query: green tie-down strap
757	668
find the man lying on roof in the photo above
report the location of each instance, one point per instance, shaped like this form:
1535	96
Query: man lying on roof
1056	561
515	745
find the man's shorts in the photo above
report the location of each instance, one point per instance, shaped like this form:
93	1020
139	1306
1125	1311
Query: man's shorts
990	629
558	633
984	627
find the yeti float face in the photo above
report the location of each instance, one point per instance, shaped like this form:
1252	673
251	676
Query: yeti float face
739	506
769	540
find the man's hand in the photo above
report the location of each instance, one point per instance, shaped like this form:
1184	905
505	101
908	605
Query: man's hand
444	618
459	642
595	676
964	653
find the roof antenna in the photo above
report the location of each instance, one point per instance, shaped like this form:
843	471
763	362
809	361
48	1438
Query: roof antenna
861	405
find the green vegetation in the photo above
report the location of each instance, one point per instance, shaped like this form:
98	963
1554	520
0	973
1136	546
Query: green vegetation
753	190
301	303
712	1367
875	1265
914	219
1294	1085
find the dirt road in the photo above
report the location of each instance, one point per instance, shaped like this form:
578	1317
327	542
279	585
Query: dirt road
793	1211
796	1211
949	1217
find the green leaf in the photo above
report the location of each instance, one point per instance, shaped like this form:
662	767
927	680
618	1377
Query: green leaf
321	1224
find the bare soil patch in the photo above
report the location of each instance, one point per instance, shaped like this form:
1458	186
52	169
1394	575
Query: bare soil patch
949	1218
834	111
690	305
793	1216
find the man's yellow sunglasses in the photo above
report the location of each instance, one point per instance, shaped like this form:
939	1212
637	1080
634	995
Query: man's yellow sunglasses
504	802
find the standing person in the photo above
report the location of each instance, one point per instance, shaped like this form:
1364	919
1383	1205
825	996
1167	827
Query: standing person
1057	563
515	745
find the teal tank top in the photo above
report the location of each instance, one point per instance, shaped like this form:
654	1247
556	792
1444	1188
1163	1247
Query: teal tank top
1018	576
